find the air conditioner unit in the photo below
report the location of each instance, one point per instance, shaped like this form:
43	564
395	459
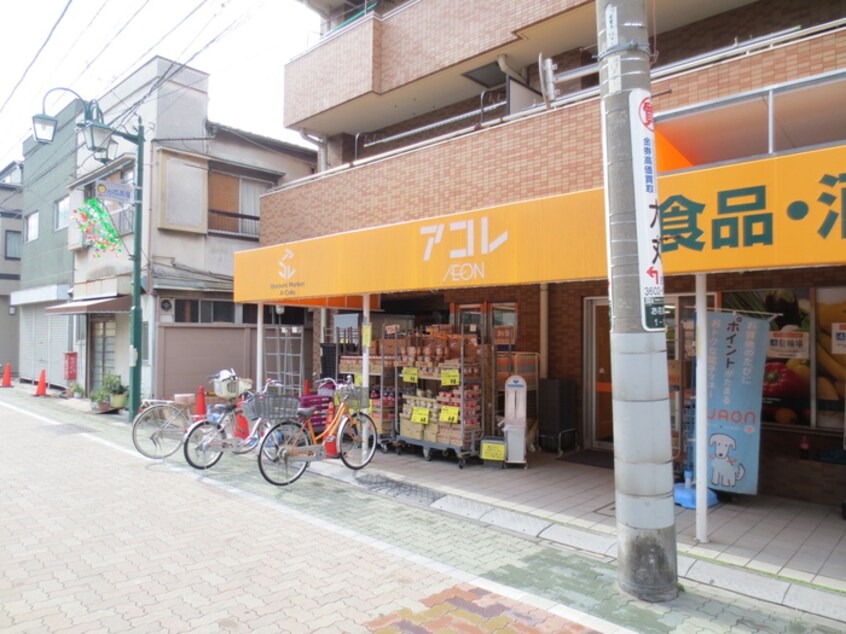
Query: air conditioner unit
166	305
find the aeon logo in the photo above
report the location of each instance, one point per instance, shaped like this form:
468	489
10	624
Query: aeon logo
286	271
471	246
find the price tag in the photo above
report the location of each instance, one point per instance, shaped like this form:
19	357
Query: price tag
409	375
449	414
420	415
450	377
357	378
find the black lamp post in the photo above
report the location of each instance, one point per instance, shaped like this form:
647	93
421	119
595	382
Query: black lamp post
99	140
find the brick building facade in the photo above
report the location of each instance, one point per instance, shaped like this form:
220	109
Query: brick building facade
405	70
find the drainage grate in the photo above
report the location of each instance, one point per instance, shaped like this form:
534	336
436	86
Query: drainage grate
66	428
401	490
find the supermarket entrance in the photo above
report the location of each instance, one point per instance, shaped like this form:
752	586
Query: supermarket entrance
599	428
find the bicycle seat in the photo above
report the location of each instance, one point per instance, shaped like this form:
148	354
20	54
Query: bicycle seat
306	412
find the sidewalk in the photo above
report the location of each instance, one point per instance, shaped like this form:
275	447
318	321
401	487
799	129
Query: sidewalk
781	551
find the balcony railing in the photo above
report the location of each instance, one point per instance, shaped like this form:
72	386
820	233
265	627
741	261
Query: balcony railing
234	225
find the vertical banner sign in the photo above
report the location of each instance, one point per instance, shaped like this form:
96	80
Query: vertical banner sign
737	351
651	274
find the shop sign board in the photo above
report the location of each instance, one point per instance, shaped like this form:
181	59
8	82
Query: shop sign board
789	345
771	213
736	358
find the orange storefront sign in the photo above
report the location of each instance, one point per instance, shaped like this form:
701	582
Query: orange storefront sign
771	213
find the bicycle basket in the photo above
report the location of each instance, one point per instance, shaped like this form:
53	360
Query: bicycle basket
358	398
273	406
230	388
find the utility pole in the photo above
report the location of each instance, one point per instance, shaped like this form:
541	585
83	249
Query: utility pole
643	468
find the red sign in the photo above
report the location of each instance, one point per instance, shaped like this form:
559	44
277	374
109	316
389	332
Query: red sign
70	366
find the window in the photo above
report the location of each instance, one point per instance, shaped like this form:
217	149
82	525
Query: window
234	204
31	227
12	245
203	311
61	213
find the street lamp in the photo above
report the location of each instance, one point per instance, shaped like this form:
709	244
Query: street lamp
99	139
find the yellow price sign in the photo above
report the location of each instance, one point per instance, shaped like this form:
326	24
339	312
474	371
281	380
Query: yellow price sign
420	415
450	377
493	450
357	379
449	414
410	375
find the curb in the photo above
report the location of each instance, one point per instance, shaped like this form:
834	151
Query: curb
822	602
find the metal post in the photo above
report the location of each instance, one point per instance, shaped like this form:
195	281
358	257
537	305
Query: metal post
643	455
701	441
260	346
135	333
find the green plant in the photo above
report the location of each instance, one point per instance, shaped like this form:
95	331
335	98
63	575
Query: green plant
99	396
76	389
112	384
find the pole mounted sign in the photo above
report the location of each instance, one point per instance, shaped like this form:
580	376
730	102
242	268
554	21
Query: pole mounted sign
112	190
651	268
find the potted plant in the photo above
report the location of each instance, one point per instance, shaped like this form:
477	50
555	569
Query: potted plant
99	399
116	391
75	391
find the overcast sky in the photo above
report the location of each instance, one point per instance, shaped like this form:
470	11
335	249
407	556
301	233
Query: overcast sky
242	45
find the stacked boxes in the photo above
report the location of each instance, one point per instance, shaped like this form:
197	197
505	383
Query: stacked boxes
382	410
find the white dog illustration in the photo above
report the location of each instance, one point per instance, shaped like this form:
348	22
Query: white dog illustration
726	471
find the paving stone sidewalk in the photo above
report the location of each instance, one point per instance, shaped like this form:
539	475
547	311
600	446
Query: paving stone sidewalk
97	538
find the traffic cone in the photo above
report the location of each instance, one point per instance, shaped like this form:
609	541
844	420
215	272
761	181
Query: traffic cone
7	376
200	407
242	426
330	444
41	390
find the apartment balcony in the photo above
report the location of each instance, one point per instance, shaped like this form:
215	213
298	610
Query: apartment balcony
383	66
775	96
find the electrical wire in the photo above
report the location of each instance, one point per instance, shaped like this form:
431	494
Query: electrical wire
37	54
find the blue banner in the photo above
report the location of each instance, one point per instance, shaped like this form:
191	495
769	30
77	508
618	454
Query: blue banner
737	351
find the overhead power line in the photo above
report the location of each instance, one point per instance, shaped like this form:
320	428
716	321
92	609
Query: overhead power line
37	54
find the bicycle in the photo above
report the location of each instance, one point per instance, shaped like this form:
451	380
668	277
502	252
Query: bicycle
159	428
289	446
208	439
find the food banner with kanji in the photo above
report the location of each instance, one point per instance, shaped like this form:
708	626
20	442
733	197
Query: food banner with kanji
737	350
771	213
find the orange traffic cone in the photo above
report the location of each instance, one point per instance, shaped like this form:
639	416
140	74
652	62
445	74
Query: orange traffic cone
242	426
7	376
200	407
330	444
41	390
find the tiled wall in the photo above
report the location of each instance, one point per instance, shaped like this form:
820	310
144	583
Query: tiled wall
547	154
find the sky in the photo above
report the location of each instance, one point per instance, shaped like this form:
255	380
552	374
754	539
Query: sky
94	44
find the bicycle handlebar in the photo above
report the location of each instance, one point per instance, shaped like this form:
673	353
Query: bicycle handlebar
334	382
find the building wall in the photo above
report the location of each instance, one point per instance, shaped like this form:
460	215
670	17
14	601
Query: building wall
427	36
542	155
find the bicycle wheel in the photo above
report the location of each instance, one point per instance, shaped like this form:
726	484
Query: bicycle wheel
204	444
157	432
355	434
256	432
281	455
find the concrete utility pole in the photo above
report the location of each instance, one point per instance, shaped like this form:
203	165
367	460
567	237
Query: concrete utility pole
643	470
